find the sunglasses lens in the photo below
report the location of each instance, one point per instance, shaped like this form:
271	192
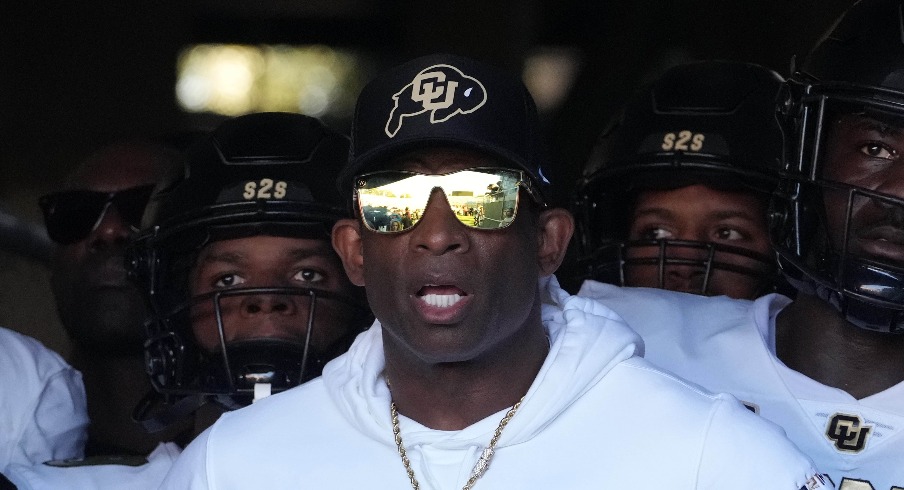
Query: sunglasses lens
130	204
392	201
69	216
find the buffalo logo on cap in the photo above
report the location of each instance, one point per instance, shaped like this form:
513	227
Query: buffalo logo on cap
442	90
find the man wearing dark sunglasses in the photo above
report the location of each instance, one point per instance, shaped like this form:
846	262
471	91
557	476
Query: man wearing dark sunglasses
92	220
476	349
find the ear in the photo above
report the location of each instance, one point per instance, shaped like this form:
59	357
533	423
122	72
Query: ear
346	239
556	226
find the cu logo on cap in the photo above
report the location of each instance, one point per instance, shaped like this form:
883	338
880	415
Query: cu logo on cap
848	432
442	91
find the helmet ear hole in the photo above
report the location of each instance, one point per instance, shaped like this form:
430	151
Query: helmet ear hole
162	356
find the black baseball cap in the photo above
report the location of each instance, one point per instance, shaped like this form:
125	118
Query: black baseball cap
445	100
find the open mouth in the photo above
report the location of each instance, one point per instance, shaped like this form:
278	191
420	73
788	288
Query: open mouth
881	242
440	296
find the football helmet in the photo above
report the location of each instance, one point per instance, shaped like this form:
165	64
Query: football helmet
261	174
823	223
713	123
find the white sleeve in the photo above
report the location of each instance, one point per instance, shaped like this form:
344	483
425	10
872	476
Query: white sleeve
190	470
44	414
770	460
60	423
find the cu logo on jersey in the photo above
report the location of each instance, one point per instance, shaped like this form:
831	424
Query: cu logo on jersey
443	91
848	432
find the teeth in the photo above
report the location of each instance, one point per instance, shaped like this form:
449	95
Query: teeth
441	300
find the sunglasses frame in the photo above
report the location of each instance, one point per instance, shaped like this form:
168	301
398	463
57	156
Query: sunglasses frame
49	202
523	182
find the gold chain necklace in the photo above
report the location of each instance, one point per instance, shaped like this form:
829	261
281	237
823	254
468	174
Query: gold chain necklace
482	463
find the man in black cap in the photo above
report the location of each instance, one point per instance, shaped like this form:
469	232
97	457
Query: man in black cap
476	349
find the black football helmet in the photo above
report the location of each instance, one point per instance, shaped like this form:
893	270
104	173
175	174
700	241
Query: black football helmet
260	174
856	70
714	123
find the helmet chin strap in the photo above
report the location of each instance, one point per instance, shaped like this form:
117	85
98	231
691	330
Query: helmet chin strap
256	365
154	415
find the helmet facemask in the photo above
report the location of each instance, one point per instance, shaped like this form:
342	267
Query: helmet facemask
611	254
832	216
180	365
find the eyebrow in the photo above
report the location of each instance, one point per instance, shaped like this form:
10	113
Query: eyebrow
869	123
729	214
297	253
718	214
228	257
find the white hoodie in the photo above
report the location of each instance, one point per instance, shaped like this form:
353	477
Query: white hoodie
596	416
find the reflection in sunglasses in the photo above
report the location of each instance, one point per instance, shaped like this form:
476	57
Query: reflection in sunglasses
393	201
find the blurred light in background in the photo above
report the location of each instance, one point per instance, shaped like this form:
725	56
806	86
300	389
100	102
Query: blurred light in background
549	73
234	79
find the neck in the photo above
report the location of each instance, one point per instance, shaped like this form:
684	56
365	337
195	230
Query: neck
815	340
114	385
454	395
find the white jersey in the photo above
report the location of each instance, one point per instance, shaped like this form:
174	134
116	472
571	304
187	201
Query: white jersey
98	473
596	416
729	345
43	411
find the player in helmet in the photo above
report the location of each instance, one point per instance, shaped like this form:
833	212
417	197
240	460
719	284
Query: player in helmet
839	231
247	296
257	199
676	193
841	237
827	366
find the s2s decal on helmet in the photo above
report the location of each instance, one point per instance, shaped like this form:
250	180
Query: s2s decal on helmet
683	141
265	189
442	90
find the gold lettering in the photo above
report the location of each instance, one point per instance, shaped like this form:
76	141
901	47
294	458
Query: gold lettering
697	142
683	138
847	484
668	142
683	141
264	192
279	191
250	187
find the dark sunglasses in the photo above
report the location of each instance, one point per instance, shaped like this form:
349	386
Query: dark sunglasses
70	216
391	201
